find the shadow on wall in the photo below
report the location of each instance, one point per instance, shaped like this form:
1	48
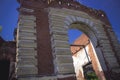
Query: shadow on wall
4	69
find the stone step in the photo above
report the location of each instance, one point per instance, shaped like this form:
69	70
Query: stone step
26	9
62	51
116	70
65	68
118	53
54	20
102	36
109	55
26	41
27	56
26	17
107	50
57	22
57	32
104	41
27	37
106	46
59	37
27	44
115	42
28	30
39	78
27	51
30	34
112	34
63	44
64	59
63	12
117	49
99	29
74	12
27	21
52	28
58	25
54	15
22	59
27	24
112	62
114	65
59	17
27	71
27	63
111	59
116	46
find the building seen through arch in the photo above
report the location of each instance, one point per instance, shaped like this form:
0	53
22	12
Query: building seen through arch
41	50
85	60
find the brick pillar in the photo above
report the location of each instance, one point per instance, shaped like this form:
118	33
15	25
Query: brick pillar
45	57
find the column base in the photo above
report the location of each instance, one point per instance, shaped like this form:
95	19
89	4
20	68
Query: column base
58	77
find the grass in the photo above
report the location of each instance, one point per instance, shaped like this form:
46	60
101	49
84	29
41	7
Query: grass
91	76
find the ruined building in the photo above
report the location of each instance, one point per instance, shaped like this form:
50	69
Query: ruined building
85	60
7	59
42	50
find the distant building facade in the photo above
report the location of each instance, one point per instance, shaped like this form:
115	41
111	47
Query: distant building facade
42	51
7	59
85	59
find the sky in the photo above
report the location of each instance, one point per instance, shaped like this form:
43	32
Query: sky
9	16
110	7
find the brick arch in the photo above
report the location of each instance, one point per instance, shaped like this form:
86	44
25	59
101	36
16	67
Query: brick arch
85	25
60	20
90	29
81	25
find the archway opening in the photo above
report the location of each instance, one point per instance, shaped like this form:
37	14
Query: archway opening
4	69
82	54
73	35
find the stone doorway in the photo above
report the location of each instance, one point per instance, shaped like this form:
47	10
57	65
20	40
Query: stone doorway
4	69
85	60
